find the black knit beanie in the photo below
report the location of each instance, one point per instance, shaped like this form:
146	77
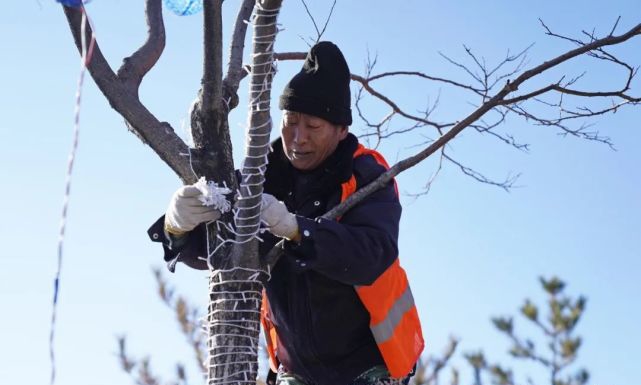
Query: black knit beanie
321	88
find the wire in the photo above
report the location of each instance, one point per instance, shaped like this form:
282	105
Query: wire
86	54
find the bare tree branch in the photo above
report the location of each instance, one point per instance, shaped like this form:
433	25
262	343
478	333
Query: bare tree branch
506	185
430	181
425	76
568	91
474	116
365	83
290	56
463	67
209	115
565	130
469	120
329	17
212	91
614	27
484	127
478	113
312	18
489	78
521	56
98	66
135	67
319	32
418	121
123	96
235	72
606	41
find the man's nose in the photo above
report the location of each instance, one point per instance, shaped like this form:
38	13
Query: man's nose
300	136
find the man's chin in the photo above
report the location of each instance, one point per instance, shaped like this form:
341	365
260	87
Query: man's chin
302	164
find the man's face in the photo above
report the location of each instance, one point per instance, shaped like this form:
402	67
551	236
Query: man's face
308	140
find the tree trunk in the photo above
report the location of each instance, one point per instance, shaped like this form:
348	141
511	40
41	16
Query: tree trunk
236	291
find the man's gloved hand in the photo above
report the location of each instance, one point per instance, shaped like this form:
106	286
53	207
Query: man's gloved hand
186	211
279	220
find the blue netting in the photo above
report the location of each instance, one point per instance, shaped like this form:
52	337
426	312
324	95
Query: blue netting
184	7
73	3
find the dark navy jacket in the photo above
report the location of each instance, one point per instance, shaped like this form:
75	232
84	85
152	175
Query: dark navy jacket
321	323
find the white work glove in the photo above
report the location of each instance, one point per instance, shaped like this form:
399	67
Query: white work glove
186	211
278	219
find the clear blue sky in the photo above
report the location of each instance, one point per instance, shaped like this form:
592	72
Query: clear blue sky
471	251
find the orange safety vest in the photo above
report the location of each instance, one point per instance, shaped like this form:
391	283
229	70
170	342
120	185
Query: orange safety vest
394	320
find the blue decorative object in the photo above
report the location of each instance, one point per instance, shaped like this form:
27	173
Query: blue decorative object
73	3
184	7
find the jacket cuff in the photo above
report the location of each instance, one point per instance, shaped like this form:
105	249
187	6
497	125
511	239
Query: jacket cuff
173	246
303	254
157	233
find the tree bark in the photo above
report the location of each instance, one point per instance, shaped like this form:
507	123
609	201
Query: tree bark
236	292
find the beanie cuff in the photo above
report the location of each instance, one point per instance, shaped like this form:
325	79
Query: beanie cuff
334	114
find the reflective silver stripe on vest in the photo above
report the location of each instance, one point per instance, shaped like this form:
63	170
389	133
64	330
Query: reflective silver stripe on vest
384	330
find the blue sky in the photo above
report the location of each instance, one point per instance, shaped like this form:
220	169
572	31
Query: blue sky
472	251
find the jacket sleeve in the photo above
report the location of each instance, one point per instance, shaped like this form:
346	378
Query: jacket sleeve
190	249
358	248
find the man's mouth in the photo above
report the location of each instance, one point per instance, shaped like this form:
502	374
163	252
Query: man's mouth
300	154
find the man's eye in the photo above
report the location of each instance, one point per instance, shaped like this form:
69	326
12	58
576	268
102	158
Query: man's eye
313	127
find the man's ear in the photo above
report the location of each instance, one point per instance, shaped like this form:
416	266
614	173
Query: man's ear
343	131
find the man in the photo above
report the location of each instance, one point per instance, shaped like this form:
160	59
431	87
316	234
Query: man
339	302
